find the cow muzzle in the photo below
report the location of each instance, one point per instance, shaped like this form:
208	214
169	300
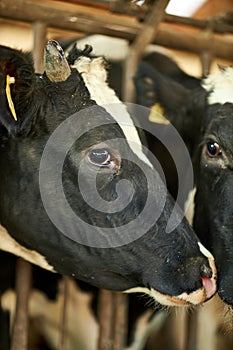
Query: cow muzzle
208	277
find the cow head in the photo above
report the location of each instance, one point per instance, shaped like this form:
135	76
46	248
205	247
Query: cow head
204	117
75	183
215	178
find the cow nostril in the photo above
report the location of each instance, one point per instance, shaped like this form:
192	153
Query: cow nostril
206	271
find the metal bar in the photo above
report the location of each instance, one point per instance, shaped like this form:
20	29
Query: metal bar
22	287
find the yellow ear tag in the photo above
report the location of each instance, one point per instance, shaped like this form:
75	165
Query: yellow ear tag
157	115
10	80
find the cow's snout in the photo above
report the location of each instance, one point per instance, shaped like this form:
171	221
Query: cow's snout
202	275
202	281
206	271
193	281
208	281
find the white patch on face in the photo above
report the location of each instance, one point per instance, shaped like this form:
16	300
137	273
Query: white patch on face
114	49
189	206
94	76
194	298
211	261
8	244
220	86
205	251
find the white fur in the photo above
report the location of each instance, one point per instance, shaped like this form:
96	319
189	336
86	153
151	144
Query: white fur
95	76
189	206
220	86
8	244
205	251
109	47
189	213
193	298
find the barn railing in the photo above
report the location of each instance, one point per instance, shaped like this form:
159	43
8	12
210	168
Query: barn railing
86	19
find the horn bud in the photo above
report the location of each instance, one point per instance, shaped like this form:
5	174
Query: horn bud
56	65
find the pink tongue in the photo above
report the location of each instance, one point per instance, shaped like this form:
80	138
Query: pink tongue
209	285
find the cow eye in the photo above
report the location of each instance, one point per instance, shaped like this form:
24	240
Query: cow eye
213	149
100	157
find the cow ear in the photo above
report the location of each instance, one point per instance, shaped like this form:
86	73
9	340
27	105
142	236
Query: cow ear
168	98
17	82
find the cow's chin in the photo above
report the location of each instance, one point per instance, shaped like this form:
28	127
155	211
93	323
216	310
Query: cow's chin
194	298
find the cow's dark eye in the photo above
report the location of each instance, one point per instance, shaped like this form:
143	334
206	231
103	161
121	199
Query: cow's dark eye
104	157
100	157
213	149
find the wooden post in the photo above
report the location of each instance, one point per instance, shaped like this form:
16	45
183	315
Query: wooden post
120	321
65	285
106	316
24	268
112	312
39	29
113	320
80	18
144	38
23	286
206	56
191	334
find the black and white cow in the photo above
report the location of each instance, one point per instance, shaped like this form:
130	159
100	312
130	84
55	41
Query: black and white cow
174	268
202	112
152	262
150	91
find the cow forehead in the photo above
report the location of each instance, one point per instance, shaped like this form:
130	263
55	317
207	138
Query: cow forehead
220	127
220	86
220	120
94	75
